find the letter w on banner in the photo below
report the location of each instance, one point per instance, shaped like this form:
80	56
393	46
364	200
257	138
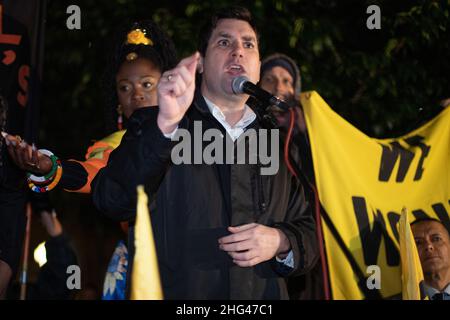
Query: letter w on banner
363	184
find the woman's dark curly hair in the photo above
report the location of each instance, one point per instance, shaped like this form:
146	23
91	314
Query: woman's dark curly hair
162	54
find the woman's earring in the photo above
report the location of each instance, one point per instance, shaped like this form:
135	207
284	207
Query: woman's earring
119	117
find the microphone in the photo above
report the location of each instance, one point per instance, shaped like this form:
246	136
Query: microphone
242	84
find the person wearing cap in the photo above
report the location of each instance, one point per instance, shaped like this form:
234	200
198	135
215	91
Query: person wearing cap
280	76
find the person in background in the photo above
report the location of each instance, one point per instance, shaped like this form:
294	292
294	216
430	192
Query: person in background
13	194
142	52
51	283
280	76
433	243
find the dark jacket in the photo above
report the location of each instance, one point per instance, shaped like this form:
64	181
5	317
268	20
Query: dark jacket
192	206
51	283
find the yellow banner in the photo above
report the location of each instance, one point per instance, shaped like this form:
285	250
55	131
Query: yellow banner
363	184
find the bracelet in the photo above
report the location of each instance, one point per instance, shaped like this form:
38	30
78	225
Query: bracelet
48	177
42	180
49	187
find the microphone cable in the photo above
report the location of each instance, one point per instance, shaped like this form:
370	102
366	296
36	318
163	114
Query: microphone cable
319	232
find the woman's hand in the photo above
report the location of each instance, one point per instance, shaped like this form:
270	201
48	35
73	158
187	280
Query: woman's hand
26	157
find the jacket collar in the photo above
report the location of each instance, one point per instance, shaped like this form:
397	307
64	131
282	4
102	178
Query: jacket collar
200	103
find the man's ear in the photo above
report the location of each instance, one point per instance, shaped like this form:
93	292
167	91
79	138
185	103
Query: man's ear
200	65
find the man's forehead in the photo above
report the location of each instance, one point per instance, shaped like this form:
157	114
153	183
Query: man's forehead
278	70
428	228
234	27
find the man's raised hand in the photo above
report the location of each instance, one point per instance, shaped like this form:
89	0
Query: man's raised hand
176	92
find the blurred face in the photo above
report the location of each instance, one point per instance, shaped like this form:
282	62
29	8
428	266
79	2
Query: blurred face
232	51
279	82
136	85
433	244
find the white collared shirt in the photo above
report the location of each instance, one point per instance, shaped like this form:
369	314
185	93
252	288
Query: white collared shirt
235	131
430	291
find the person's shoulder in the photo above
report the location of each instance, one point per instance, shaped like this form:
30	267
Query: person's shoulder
144	113
141	116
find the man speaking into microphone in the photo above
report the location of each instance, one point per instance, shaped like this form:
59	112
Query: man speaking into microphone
222	231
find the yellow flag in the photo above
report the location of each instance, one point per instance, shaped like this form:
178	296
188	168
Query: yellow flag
412	274
145	279
363	183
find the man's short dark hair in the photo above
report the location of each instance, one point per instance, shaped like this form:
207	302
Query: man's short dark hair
233	12
427	219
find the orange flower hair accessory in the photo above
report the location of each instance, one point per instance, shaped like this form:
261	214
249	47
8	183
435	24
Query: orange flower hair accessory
138	36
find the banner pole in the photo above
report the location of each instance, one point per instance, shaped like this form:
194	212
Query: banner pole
23	274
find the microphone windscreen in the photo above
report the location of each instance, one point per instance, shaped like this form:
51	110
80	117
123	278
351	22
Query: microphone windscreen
237	85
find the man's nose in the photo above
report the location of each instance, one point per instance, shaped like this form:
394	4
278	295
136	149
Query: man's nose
429	246
238	49
280	87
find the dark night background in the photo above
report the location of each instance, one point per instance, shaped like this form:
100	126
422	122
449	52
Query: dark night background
385	82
